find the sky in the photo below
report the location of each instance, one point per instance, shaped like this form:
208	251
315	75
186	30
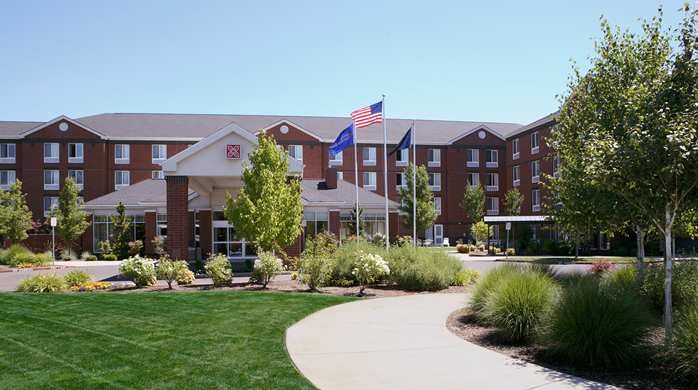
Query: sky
503	61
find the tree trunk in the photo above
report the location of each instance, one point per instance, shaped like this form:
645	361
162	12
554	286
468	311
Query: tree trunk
640	234
576	246
668	276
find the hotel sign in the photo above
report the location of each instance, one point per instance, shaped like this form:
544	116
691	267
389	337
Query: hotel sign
232	152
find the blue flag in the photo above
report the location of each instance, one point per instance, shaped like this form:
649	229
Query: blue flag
344	140
405	142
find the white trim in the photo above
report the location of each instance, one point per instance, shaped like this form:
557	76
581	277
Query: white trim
288	122
56	120
169	139
517	218
473	130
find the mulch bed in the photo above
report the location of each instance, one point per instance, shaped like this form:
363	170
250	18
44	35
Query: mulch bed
656	377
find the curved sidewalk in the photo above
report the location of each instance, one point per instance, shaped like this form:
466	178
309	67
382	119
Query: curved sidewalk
403	343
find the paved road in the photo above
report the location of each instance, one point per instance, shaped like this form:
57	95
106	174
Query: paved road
403	343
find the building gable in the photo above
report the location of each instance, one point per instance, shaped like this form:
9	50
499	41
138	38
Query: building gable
482	135
285	132
62	128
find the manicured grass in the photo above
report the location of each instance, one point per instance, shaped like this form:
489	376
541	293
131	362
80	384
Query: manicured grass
151	340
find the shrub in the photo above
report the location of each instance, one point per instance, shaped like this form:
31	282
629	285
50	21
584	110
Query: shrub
109	257
519	304
344	258
622	278
463	248
185	276
91	258
76	278
169	270
17	254
510	252
219	270
140	270
322	244
158	245
84	255
105	248
488	283
265	268
368	269
597	326
42	284
315	271
480	231
465	277
686	345
600	267
684	287
135	247
404	241
91	286
421	269
378	239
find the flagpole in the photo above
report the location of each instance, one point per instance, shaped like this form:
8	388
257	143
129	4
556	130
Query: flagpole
414	184
385	173
356	177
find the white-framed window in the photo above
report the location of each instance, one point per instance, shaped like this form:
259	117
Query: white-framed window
50	203
296	151
122	179
51	179
535	171
491	158
472	158
340	175
515	149
434	157
122	153
7	179
369	155
336	159
435	181
369	181
535	142
437	205
473	179
400	180
158	153
402	157
78	176
8	153
51	152
516	175
492	181
157	175
492	205
556	165
535	200
76	153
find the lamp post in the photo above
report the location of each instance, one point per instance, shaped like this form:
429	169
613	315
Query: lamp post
54	222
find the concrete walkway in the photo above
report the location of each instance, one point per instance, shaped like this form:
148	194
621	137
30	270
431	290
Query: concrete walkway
403	343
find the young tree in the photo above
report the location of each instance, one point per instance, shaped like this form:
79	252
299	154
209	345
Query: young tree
268	209
513	201
426	214
474	203
72	220
15	216
637	109
122	231
351	226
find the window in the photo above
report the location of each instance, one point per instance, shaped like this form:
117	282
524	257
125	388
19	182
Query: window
51	152
316	222
435	181
103	229
78	176
402	157
75	153
161	221
492	205
535	146
556	165
369	180
400	180
227	241
535	200
8	153
472	158
492	182
122	153
473	179
434	157
157	175
158	153
369	155
122	179
516	175
51	179
7	178
336	159
491	158
437	205
515	149
296	151
50	203
535	171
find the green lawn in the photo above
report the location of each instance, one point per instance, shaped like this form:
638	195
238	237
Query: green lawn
189	340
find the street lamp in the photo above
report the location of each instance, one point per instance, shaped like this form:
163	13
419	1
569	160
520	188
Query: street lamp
54	222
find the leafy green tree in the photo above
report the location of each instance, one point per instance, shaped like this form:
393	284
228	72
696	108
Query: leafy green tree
72	220
513	200
268	209
481	231
15	216
122	232
474	202
637	110
426	214
351	225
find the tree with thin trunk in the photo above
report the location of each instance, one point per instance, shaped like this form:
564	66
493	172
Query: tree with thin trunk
426	214
513	200
122	232
473	202
72	220
15	216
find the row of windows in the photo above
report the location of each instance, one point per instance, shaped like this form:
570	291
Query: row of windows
368	155
76	153
535	171
535	145
52	179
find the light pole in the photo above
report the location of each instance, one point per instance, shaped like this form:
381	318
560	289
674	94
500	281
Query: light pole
54	222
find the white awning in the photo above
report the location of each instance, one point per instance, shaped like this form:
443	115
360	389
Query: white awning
518	218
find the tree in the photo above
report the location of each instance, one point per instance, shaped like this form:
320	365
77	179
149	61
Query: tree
72	220
513	201
122	232
637	110
15	216
474	202
351	225
426	214
268	209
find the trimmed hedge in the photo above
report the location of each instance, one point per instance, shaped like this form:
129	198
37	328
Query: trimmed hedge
422	269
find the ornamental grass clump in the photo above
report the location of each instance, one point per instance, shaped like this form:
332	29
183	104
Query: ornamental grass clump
685	351
266	267
368	269
219	270
595	325
488	283
42	284
684	288
77	278
420	269
139	270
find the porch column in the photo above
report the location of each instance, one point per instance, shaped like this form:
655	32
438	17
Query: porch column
177	216
150	232
334	223
205	232
394	224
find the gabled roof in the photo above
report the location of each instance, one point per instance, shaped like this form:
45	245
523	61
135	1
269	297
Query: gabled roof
61	118
550	118
13	129
146	193
315	193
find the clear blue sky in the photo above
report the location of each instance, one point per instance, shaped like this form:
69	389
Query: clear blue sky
464	60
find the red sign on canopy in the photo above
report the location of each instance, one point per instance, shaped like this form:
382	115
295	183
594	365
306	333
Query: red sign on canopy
232	152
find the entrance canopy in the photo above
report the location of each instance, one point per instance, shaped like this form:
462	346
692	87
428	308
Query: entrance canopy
518	218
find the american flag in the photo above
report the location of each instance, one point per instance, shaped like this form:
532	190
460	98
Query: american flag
368	115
